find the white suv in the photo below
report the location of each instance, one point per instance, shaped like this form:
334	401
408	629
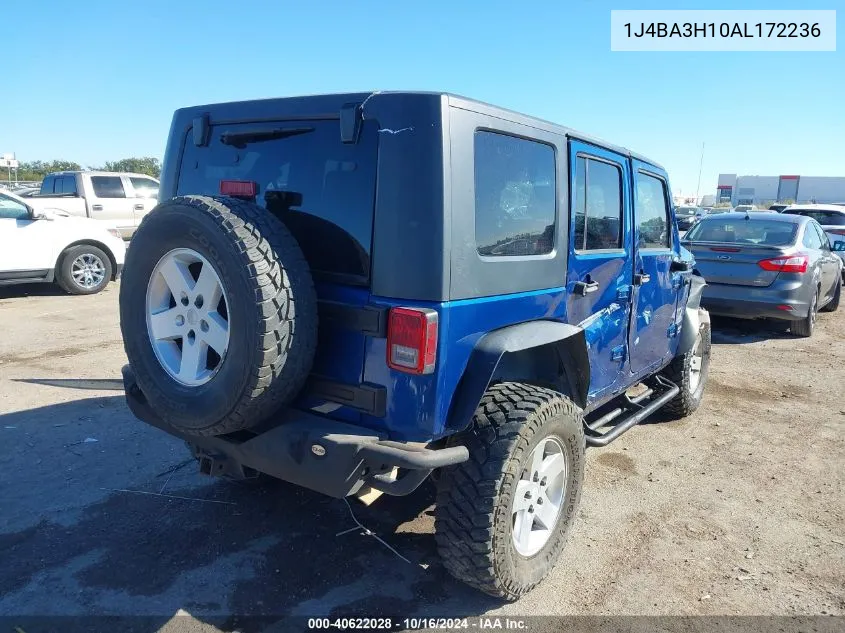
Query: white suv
80	254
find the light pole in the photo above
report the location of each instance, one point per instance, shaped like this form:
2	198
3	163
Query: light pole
700	165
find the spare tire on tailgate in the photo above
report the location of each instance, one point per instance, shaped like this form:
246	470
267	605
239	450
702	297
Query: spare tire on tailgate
218	313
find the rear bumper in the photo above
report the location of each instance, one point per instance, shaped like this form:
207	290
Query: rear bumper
748	302
331	457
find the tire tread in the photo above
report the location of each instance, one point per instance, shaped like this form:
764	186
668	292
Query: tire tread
468	521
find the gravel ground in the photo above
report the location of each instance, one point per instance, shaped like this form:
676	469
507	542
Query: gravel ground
738	510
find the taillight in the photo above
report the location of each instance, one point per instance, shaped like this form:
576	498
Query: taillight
238	188
412	340
791	264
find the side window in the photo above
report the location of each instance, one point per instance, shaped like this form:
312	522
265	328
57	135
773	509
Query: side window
811	238
597	221
652	212
515	194
11	209
144	187
108	187
69	184
822	236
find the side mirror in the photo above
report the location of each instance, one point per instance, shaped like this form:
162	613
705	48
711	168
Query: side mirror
43	214
839	246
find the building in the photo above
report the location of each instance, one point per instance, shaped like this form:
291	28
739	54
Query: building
756	189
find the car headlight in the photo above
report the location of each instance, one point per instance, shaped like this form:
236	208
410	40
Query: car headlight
116	233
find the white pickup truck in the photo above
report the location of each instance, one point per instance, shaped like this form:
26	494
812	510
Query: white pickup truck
121	199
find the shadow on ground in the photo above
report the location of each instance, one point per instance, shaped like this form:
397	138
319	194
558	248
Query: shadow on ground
95	384
223	548
727	331
16	291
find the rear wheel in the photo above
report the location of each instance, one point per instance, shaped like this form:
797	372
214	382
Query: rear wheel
218	314
502	518
804	328
833	304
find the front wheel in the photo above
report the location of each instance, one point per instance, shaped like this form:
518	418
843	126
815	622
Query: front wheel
689	371
502	518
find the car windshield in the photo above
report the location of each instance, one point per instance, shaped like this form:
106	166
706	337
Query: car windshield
742	231
829	218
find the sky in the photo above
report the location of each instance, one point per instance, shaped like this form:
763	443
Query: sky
99	80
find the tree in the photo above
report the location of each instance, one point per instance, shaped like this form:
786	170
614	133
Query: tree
146	165
36	170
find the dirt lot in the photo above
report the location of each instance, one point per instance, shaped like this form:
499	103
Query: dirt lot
737	510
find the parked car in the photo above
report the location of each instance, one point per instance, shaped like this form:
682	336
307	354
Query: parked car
49	245
496	348
122	199
765	265
830	216
687	217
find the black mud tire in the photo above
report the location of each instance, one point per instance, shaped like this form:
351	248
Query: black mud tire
270	296
678	371
806	326
64	275
473	518
833	304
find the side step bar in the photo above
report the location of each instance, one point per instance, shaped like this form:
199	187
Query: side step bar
636	412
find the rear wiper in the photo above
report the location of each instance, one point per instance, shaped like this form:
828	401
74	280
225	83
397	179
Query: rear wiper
241	139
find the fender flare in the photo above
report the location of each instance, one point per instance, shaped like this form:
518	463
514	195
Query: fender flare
694	315
567	342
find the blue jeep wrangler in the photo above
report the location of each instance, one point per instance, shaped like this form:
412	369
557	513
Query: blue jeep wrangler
349	292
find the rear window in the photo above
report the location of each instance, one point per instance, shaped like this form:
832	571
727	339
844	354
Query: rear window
321	188
829	218
108	187
741	231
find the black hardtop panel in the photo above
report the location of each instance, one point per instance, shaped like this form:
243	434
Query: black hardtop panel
329	105
414	187
487	109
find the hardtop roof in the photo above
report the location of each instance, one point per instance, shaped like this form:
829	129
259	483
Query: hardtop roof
337	100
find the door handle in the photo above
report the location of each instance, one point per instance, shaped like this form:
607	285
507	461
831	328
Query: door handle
139	207
582	288
97	207
641	278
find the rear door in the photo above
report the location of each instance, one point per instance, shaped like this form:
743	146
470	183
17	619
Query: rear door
656	287
144	194
107	200
323	190
599	269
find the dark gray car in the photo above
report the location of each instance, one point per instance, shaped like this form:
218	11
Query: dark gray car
766	265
